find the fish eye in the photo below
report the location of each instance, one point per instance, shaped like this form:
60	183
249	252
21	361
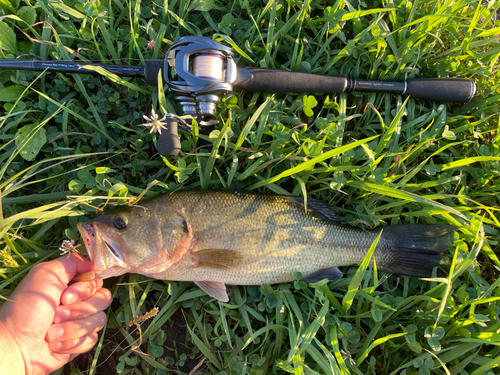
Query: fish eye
120	222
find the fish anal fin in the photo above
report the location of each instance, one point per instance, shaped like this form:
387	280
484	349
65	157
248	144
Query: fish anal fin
215	289
331	274
216	258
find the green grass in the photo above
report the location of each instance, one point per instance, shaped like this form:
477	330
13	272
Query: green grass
73	143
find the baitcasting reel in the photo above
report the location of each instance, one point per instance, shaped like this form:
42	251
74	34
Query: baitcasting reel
199	71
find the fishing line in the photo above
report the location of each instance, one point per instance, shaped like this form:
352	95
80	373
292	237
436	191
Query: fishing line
209	65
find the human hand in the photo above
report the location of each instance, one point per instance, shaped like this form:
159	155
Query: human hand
48	323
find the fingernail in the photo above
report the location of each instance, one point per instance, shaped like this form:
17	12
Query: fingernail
71	298
62	314
56	332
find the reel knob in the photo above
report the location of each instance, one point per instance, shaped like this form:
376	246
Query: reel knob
168	143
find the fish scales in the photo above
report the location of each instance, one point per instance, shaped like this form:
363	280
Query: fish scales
275	237
222	237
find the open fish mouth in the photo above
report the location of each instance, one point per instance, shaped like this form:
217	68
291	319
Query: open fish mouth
88	233
104	253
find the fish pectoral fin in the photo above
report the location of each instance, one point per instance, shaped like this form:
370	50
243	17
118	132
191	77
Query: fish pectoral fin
216	258
331	274
214	289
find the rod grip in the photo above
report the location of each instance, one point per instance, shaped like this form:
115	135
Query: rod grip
168	143
455	90
282	81
151	70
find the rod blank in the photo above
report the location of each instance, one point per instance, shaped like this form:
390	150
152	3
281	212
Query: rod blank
69	67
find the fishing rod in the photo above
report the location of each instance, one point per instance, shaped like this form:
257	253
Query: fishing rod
199	71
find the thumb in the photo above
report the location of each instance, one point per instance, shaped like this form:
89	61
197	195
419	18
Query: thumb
68	266
59	271
46	281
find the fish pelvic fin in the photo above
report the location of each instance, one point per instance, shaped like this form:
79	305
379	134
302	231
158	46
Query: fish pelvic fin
331	274
215	289
216	258
417	248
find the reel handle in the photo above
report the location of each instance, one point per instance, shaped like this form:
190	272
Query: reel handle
168	143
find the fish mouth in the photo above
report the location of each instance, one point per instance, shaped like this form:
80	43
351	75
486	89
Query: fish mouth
104	254
88	233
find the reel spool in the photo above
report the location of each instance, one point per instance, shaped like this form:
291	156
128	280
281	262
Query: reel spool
199	71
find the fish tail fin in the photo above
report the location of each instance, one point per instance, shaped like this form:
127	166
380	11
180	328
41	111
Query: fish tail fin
416	248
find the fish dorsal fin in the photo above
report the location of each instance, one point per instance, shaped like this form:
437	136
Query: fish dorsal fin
216	258
318	208
214	289
331	274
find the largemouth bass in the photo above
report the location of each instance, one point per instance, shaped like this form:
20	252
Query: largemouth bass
221	237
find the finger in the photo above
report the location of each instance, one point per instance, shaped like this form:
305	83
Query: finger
74	346
53	275
80	291
74	329
43	285
66	267
99	301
